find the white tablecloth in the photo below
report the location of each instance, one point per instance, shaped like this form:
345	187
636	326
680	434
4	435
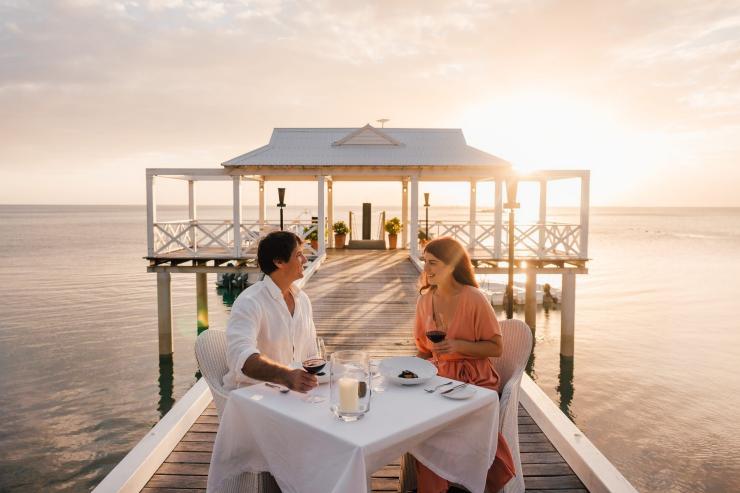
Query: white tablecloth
309	450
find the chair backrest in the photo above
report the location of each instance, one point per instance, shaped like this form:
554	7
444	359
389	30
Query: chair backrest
517	340
210	352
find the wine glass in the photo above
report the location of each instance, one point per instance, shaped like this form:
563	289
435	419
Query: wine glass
436	331
376	378
313	365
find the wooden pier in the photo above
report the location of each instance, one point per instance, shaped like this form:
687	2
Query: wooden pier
362	300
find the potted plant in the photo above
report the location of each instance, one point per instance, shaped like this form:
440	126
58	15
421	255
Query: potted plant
313	237
423	239
393	227
340	233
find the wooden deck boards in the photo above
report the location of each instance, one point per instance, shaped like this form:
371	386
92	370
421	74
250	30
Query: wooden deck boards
363	299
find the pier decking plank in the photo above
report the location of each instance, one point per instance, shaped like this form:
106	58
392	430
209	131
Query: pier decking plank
363	299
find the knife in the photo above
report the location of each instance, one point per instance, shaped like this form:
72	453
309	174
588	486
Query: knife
459	386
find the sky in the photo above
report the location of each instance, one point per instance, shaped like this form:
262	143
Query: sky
645	94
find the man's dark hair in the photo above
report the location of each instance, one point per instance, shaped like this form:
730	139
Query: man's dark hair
278	245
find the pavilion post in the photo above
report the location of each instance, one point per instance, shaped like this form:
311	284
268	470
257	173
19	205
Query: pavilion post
414	229
330	212
237	215
192	215
498	219
405	213
473	210
262	208
321	226
151	213
584	214
543	218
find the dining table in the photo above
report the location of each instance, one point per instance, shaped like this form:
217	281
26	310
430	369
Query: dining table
308	449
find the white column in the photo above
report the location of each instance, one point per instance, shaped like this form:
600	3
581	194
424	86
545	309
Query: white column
262	211
414	229
330	211
473	211
237	215
405	213
498	218
543	217
568	314
164	313
192	214
151	213
585	200
322	216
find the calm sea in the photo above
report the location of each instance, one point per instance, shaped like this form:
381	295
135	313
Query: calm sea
654	381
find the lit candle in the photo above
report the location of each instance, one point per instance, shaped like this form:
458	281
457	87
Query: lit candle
348	395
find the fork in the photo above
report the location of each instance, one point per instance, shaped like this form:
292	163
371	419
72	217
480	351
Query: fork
456	387
282	390
432	390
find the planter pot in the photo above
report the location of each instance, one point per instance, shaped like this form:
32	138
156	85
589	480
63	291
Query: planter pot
315	245
339	241
392	241
422	244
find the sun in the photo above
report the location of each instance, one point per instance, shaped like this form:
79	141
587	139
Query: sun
544	130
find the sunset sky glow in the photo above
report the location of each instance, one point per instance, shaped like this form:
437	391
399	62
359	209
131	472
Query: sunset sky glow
644	94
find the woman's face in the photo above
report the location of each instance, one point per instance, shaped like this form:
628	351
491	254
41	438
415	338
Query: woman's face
437	272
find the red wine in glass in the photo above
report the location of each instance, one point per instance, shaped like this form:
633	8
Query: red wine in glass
436	336
314	365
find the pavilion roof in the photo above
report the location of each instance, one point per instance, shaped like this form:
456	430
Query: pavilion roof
368	146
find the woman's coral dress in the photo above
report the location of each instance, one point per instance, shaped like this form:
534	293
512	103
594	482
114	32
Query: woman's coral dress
474	320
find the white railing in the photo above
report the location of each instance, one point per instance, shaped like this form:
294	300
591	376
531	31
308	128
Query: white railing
549	240
193	237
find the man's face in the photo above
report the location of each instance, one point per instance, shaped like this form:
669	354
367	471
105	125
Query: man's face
293	268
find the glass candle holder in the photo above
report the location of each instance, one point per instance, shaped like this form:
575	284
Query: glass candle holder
350	384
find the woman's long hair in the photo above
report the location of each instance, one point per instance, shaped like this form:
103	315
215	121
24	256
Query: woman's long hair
450	252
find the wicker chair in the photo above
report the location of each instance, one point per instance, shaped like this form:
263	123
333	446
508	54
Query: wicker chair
517	340
510	366
210	353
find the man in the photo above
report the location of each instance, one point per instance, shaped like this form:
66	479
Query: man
271	324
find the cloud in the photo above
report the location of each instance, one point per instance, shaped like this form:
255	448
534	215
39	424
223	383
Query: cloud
85	82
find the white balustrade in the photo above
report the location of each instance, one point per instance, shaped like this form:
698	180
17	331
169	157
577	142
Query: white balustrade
550	240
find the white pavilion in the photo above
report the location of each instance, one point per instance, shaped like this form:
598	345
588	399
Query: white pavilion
327	156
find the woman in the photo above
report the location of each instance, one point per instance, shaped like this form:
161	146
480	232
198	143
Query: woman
451	301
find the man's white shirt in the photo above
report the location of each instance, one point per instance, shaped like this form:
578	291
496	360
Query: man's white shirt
260	322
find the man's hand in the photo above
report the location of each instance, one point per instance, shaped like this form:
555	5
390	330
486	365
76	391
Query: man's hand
300	381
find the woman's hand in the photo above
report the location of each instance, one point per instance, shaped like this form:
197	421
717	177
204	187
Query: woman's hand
448	346
477	349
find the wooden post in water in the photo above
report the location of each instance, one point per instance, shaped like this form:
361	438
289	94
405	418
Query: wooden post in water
164	314
530	297
568	314
201	295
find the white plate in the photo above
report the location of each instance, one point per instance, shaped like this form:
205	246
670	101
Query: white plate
390	368
460	394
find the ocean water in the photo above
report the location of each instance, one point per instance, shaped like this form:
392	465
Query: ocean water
653	383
